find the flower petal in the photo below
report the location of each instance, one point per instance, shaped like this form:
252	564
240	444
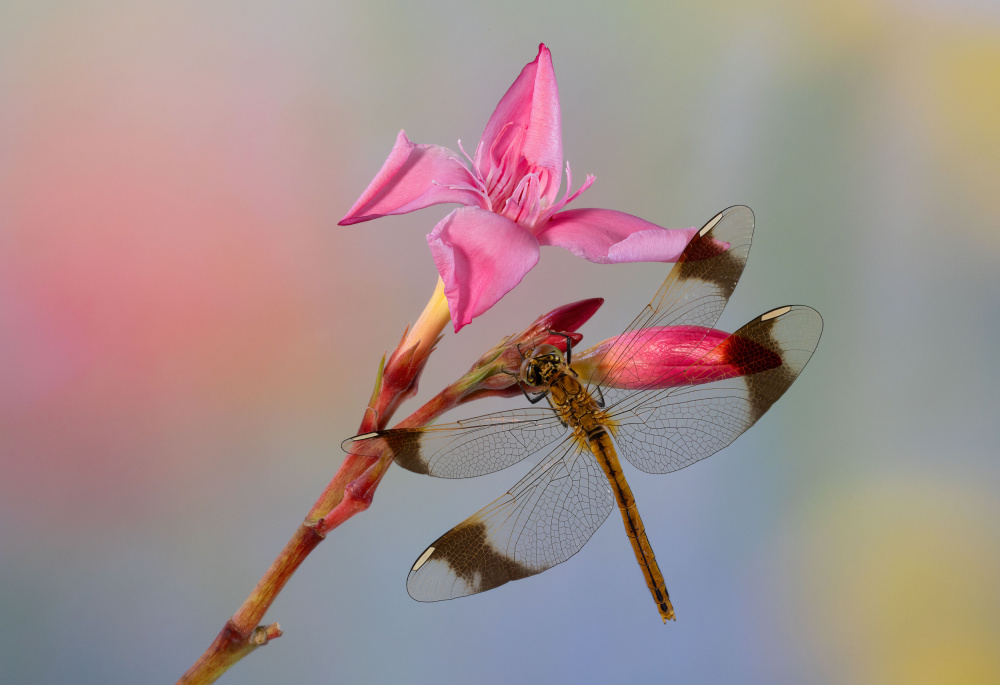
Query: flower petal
481	256
532	103
413	177
606	236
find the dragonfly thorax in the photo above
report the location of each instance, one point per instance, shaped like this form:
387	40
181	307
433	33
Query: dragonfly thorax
543	367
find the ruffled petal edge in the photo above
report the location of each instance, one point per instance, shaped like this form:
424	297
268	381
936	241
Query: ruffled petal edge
481	256
607	236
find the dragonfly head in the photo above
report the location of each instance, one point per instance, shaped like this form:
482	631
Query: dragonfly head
542	367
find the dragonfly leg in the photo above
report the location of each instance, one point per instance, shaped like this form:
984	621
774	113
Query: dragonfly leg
569	345
598	396
537	398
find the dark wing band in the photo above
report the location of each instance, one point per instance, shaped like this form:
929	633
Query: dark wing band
542	521
694	293
467	448
660	431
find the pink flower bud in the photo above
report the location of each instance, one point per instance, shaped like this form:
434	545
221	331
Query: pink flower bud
568	317
669	356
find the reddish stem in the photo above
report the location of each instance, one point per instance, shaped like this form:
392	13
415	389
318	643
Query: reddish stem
349	493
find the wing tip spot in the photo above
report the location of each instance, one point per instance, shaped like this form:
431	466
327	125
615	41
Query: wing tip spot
775	313
365	436
423	558
710	225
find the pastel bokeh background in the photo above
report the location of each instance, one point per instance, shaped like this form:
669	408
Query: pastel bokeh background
186	335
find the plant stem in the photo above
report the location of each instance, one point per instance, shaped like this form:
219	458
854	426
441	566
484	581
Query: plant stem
350	492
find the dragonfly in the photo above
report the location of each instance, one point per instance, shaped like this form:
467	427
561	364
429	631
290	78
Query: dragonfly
660	423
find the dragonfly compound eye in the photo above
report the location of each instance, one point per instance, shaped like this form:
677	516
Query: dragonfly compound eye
527	374
551	353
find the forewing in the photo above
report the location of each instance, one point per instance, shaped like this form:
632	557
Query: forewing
660	431
542	521
694	293
467	448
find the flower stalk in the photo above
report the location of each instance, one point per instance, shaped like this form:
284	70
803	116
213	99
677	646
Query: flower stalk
349	493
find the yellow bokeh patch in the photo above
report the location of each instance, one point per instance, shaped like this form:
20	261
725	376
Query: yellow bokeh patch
900	583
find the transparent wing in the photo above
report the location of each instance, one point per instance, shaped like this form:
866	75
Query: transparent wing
660	431
694	293
542	521
467	448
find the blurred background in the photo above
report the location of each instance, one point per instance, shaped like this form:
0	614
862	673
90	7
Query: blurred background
186	335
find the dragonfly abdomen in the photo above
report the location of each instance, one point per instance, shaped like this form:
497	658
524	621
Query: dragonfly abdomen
584	415
603	449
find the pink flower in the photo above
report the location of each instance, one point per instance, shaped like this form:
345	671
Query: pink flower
668	356
509	190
